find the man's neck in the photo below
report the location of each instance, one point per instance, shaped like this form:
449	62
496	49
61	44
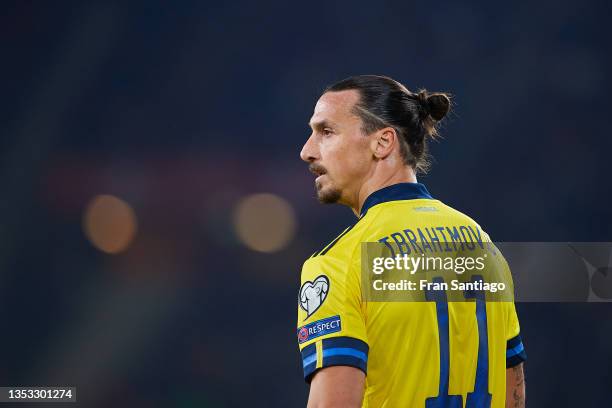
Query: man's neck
375	183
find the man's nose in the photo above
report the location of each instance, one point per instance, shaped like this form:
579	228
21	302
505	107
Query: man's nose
309	151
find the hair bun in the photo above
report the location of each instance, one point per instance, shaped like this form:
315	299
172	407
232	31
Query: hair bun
438	105
435	105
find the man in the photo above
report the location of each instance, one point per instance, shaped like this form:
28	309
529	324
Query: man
369	140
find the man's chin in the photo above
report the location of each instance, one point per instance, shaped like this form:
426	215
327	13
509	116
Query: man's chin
328	195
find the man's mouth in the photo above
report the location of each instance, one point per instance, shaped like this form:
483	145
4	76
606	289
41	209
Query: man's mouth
317	170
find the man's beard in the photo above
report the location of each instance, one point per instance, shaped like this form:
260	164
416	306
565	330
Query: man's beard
328	195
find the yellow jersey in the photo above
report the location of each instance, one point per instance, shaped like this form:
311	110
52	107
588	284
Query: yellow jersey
433	354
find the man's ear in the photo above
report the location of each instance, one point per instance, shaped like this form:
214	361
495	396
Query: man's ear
383	142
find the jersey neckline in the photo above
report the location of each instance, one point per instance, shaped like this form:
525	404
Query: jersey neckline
395	192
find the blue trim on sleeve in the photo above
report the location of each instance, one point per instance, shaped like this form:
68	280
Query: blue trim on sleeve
308	350
346	342
345	360
309	360
513	342
337	351
344	351
515	352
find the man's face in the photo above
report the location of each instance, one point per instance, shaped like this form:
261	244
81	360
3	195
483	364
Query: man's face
337	150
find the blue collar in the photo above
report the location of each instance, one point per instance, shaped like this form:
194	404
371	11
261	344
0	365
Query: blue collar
395	192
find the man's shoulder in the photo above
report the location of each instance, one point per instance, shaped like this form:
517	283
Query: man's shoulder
398	217
342	245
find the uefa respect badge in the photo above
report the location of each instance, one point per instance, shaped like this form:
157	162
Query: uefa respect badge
319	328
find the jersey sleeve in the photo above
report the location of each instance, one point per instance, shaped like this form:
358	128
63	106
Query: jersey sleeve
515	351
331	324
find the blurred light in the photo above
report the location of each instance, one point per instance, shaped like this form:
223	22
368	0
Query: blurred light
264	222
109	223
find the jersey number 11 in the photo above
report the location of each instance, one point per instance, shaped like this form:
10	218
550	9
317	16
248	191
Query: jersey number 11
480	397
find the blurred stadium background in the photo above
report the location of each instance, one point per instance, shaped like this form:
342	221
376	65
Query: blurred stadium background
155	213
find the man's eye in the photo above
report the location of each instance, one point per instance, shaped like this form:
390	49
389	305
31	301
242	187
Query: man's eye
327	132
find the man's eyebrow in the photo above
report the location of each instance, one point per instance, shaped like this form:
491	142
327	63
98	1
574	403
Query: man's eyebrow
322	124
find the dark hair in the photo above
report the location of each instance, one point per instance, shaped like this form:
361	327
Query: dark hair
385	102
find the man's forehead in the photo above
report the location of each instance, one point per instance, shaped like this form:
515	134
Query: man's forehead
334	105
